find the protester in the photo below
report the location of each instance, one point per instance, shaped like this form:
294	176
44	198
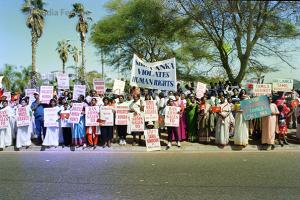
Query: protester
65	125
5	132
78	132
92	132
191	108
38	112
122	129
106	130
203	121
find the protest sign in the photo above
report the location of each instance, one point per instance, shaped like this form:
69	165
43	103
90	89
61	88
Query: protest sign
63	81
106	116
30	93
99	85
78	90
3	119
136	122
92	115
172	116
200	90
152	140
46	94
159	75
282	85
118	87
50	117
23	119
75	113
262	89
122	115
255	108
151	113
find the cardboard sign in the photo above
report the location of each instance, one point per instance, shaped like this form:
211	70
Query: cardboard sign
23	119
256	107
92	116
136	121
99	85
30	93
118	87
122	115
106	116
4	120
200	90
159	75
78	90
152	140
75	113
172	116
50	117
262	89
283	85
46	94
151	113
63	82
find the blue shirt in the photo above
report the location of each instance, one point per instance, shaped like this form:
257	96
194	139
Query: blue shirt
38	110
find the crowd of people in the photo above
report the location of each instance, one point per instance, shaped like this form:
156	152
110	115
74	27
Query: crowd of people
212	119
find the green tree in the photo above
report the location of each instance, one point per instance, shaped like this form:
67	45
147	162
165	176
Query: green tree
63	49
242	31
90	77
75	54
82	28
35	22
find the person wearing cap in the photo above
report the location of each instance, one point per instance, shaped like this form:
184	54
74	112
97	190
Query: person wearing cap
38	112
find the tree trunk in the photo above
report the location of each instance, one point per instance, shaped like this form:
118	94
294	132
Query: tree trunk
82	76
63	69
33	56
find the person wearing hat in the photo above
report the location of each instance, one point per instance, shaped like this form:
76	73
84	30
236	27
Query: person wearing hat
38	112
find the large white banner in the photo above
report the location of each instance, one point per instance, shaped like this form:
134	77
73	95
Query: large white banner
283	85
63	81
159	75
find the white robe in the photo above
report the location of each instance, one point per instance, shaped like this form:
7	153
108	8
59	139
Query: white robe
6	133
223	125
241	128
24	133
52	134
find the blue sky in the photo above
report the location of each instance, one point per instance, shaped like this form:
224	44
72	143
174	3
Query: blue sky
15	38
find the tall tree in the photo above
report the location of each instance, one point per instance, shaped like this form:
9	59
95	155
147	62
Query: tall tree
82	28
75	54
35	22
63	49
242	31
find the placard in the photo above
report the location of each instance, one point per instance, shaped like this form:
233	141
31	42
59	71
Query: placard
151	112
152	140
159	75
99	85
282	85
262	89
136	121
200	90
23	119
46	94
172	116
75	113
92	116
30	93
118	87
122	115
63	82
78	90
50	117
106	116
256	107
4	120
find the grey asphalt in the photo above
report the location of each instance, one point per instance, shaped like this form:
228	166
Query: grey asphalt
153	175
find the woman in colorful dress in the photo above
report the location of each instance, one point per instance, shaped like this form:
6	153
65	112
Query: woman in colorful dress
282	124
191	115
78	132
182	120
92	132
203	121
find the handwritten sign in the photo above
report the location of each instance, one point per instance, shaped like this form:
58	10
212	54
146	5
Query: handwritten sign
78	90
122	115
200	90
30	93
75	113
63	82
172	116
23	119
46	94
136	122
118	87
159	75
92	115
99	85
151	113
282	85
50	117
106	116
262	89
3	119
256	107
152	140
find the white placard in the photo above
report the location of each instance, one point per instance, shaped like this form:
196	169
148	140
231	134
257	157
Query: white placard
75	113
200	90
283	85
136	121
92	116
63	82
172	116
99	85
106	116
118	87
151	112
46	94
122	115
50	117
23	119
152	140
79	90
262	89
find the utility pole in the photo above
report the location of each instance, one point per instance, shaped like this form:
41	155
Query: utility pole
102	63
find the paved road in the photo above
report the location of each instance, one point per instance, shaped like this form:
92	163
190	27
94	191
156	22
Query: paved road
143	176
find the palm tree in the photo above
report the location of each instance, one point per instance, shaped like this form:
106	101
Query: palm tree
35	21
75	54
8	76
63	48
82	28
